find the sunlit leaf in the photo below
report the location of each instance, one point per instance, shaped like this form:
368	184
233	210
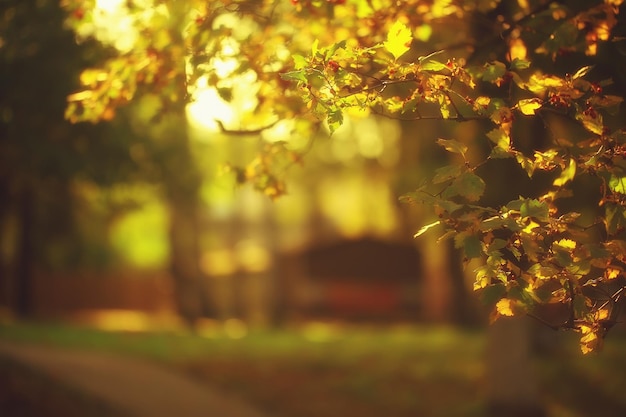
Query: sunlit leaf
334	48
612	273
566	243
425	228
334	119
500	138
590	341
299	61
294	76
591	121
567	174
314	47
618	184
534	208
494	71
432	65
519	64
582	72
529	106
398	40
505	307
453	146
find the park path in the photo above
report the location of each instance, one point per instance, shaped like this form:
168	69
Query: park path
135	387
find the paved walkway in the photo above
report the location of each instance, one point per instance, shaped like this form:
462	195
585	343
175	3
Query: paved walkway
132	386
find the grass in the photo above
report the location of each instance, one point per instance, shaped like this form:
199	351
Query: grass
325	370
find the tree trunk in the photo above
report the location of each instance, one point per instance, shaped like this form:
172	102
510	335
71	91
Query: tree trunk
436	280
190	295
511	386
25	256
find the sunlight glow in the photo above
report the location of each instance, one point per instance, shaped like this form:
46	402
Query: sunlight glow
114	25
207	107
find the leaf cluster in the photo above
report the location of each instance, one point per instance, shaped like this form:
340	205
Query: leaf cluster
534	251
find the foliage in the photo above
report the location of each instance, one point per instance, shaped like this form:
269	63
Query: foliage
543	63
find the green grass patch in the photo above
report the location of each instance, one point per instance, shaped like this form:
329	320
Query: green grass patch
324	370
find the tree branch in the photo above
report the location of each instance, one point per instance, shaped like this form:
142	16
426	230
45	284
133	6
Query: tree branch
244	132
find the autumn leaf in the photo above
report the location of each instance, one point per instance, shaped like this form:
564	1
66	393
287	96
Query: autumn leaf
500	138
529	106
590	340
505	307
612	272
567	174
398	40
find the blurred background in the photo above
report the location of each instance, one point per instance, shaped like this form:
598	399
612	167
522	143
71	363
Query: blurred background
131	241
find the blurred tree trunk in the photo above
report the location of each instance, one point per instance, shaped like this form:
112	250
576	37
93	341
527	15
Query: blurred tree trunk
25	256
183	182
511	385
191	297
5	250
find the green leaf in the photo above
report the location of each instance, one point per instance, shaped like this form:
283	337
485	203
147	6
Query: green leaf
617	184
334	48
432	65
470	186
534	208
519	64
398	40
294	76
491	294
299	61
614	218
581	306
453	146
494	71
447	172
470	243
334	119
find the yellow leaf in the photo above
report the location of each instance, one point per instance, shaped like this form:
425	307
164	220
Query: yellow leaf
505	307
398	39
602	314
314	47
612	273
567	174
589	341
531	225
529	106
566	243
